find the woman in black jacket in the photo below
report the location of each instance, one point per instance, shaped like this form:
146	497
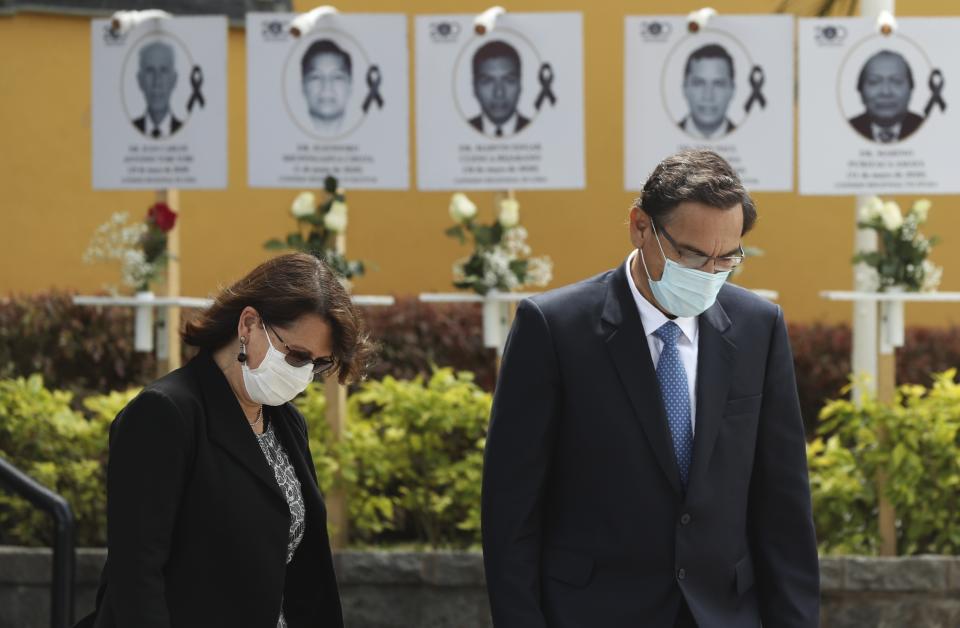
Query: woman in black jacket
214	517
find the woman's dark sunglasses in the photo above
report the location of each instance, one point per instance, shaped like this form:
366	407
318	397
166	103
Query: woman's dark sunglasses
299	358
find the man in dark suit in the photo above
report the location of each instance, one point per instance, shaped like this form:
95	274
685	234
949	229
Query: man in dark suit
885	85
157	76
645	464
708	88
496	85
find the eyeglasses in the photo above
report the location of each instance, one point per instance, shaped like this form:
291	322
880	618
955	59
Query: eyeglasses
692	259
297	358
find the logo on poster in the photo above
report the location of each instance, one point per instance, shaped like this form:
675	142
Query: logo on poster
274	30
655	31
830	35
444	32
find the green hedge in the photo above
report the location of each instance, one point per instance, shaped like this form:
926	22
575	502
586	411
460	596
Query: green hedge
920	455
410	460
412	454
61	448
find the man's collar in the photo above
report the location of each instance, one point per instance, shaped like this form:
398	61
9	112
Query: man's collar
651	317
509	126
876	130
165	126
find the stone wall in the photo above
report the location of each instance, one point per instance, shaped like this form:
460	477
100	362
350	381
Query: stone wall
446	590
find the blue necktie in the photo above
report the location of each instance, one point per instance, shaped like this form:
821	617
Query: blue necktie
676	397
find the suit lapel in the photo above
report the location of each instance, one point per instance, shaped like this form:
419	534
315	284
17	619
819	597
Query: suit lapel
626	342
227	426
715	361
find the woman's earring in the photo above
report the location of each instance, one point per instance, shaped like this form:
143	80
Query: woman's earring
242	357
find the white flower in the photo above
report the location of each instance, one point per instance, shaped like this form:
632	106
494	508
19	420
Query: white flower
539	271
135	271
921	209
932	274
462	208
871	209
891	216
304	205
336	219
497	272
509	213
515	242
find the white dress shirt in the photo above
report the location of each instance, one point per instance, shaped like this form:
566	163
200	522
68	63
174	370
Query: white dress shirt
507	128
652	320
164	128
879	132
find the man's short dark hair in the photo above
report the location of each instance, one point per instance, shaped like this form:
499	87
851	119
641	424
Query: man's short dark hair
324	47
710	51
883	53
493	50
701	176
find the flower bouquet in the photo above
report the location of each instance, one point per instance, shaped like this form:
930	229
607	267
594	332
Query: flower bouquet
318	226
139	247
501	258
901	260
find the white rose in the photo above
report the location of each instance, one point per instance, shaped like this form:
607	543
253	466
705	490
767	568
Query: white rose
871	209
336	219
891	216
509	213
303	205
462	208
922	209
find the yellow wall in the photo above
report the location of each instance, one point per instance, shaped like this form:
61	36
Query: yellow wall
49	210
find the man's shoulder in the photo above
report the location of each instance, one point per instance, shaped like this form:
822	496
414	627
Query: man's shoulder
911	122
574	298
740	303
862	124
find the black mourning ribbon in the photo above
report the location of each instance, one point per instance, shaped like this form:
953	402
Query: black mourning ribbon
756	83
373	82
196	82
546	87
936	93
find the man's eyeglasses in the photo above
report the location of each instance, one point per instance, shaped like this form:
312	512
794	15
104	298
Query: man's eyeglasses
297	358
695	260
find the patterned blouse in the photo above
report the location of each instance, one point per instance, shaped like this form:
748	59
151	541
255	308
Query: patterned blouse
290	487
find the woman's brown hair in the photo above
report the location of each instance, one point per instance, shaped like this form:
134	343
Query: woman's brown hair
282	290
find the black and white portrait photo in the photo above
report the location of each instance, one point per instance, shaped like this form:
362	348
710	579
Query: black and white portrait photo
875	114
331	102
159	104
727	86
497	84
326	72
885	85
157	77
708	87
502	109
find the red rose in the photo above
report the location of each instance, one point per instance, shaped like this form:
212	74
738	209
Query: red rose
162	216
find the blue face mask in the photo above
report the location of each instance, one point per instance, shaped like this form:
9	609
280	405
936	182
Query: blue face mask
684	292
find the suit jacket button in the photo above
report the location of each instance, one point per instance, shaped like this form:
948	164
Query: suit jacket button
684	519
682	574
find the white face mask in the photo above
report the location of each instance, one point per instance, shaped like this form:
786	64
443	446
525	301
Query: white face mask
275	382
684	292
